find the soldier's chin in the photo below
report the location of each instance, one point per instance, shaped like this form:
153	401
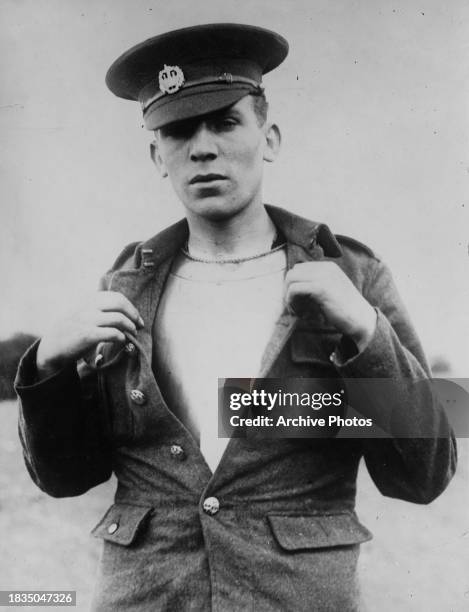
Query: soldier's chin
217	211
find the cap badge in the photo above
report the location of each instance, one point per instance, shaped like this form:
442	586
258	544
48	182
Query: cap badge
170	79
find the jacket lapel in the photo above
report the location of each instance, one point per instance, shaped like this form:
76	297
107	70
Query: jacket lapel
143	276
287	322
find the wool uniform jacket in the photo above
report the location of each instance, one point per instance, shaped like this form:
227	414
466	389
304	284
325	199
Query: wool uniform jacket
274	528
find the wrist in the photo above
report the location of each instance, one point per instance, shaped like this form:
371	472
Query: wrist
46	365
363	334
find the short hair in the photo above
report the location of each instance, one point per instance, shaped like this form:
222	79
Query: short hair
260	105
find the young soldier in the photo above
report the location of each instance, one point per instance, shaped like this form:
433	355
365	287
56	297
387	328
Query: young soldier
236	289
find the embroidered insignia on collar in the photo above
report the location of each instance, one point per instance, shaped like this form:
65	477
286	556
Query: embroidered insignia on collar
170	79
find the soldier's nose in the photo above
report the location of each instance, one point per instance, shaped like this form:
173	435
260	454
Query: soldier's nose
203	145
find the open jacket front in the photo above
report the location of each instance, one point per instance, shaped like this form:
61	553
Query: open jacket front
274	528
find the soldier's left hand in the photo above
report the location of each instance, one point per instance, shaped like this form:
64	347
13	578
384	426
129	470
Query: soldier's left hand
323	284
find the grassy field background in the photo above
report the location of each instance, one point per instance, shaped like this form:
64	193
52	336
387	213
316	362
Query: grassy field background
418	560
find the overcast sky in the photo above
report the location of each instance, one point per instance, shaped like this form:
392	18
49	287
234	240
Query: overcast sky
372	102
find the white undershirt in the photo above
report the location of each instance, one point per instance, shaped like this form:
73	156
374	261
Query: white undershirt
214	321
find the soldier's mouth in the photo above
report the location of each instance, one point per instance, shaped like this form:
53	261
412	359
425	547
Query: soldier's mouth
206	178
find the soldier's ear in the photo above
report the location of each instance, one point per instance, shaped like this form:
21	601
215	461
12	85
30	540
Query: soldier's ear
156	158
273	139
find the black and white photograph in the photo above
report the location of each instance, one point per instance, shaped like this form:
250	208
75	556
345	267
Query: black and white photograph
235	310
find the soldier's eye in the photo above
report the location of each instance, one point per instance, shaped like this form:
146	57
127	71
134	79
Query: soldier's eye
226	123
179	129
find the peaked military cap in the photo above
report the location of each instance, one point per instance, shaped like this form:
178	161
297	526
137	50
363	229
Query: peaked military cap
193	71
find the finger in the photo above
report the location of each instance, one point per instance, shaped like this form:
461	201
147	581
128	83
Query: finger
300	272
109	334
118	320
297	289
114	301
314	271
300	300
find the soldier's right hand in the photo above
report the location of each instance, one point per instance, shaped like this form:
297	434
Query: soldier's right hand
103	318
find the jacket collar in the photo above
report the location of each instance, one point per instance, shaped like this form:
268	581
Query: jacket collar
314	238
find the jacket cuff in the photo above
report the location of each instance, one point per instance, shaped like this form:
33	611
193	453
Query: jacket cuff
376	360
29	386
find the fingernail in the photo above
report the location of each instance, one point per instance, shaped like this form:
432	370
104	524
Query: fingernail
141	322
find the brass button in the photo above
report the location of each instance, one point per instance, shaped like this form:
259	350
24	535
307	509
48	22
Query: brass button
211	505
138	397
130	348
113	527
177	452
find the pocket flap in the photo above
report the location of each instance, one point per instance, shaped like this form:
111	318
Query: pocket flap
318	530
121	523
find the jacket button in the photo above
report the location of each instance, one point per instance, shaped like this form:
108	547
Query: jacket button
177	452
113	527
138	397
211	505
130	348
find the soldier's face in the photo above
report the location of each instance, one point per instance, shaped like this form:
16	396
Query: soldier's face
215	162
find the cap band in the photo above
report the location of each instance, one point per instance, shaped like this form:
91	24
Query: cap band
226	77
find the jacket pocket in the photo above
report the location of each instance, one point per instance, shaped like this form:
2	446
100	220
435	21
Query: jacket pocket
122	523
295	532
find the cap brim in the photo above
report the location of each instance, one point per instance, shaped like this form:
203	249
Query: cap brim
189	104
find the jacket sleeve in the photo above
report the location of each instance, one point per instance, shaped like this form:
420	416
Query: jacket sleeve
61	428
416	468
64	423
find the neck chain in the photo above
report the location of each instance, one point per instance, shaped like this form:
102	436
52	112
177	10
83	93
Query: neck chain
185	251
